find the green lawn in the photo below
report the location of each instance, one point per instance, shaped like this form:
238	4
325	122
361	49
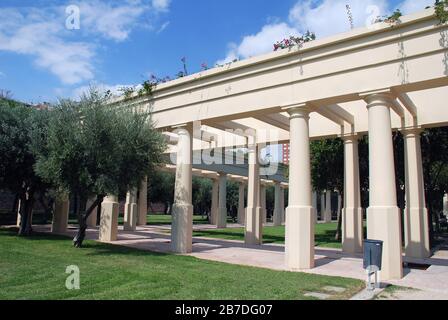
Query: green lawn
34	268
155	219
324	234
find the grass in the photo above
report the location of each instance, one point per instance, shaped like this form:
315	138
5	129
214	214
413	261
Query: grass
324	235
155	219
34	268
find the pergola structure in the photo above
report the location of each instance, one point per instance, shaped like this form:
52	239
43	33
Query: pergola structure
369	81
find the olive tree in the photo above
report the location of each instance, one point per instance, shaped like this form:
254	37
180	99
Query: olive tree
94	149
19	125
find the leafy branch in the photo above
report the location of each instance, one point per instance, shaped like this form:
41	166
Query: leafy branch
295	41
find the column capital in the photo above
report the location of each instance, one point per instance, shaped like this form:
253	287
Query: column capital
383	97
183	128
301	110
351	138
411	132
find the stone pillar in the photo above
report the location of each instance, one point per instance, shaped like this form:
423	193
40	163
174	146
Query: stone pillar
314	201
241	209
416	225
254	221
352	222
327	212
60	215
109	219
92	219
445	205
222	210
322	206
383	214
299	237
143	203
182	225
282	204
215	200
19	217
277	206
130	211
339	204
264	212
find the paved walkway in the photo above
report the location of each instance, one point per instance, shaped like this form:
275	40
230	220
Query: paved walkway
331	262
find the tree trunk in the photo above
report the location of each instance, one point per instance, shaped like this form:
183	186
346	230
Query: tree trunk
82	219
26	211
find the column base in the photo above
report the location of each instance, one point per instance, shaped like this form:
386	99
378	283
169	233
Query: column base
277	218
299	241
182	229
264	215
222	218
92	219
254	226
241	216
352	230
109	222
417	233
384	223
142	218
327	218
60	217
130	221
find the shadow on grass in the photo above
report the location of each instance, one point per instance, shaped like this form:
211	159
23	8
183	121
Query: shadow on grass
327	237
95	248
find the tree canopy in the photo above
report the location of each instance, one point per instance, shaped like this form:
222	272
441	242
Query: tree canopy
93	149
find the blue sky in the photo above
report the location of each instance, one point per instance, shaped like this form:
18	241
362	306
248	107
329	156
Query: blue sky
122	43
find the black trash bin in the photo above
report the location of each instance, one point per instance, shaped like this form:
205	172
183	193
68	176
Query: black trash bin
373	252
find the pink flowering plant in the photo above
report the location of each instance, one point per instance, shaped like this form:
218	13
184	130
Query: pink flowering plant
295	41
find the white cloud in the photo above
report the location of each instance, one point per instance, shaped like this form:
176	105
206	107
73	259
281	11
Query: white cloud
259	43
161	5
412	6
324	18
331	17
113	22
39	35
163	27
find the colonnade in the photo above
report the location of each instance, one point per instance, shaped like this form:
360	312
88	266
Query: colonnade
383	214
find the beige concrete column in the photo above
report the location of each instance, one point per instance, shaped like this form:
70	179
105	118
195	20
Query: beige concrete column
222	210
19	217
352	222
445	205
130	211
109	219
339	204
299	237
143	203
314	202
254	221
60	215
92	219
182	225
282	204
264	212
383	215
241	209
215	200
327	212
416	225
322	206
277	206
